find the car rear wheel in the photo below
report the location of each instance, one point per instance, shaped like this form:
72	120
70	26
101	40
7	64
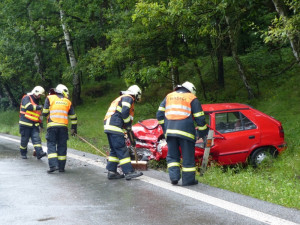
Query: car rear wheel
262	154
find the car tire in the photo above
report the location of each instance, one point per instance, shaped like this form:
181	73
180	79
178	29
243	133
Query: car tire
261	154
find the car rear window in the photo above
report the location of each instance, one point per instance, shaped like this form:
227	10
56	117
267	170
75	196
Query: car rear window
233	122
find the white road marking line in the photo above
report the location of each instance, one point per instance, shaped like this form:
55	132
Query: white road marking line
250	213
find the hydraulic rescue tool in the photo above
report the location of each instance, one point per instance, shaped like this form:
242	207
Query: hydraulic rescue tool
208	145
139	165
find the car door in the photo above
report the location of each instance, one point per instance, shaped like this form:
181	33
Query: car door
234	137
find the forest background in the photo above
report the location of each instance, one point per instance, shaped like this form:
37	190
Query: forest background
243	51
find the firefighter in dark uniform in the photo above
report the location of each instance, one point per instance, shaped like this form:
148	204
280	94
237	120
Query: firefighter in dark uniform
30	122
118	117
58	108
176	114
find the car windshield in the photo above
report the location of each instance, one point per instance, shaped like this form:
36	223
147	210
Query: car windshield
233	122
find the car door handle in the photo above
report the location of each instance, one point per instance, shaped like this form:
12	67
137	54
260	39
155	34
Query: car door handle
251	137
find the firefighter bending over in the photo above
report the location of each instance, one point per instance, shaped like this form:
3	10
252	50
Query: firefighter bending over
118	117
57	108
30	122
176	114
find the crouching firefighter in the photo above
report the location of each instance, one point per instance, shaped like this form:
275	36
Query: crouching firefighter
176	115
118	117
58	108
30	122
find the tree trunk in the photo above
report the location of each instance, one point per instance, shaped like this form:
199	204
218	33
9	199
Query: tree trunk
219	54
37	60
280	8
6	89
236	57
76	78
174	74
201	79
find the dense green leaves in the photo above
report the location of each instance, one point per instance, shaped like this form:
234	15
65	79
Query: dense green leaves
142	41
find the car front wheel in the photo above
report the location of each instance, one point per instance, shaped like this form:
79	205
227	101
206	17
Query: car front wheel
261	154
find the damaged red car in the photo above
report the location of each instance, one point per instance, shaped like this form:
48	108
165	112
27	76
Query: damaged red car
242	134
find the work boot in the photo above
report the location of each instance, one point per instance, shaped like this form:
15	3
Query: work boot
41	155
134	174
61	170
114	175
193	183
24	157
174	182
52	169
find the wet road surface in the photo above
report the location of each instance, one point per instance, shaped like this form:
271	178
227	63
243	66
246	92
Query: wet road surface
83	195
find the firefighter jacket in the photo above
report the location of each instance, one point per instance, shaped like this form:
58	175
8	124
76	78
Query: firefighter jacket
119	115
177	113
29	115
57	108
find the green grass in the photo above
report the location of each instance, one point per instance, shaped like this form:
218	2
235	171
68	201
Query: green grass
9	122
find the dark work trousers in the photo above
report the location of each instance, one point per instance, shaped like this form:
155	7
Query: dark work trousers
57	138
33	133
188	159
118	150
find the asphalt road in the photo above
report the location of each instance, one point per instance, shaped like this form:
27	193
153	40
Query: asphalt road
83	195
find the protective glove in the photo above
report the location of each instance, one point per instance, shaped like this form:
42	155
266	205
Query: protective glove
131	138
39	107
73	132
128	128
202	133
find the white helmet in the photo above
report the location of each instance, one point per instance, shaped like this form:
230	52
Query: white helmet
62	89
136	92
38	90
190	87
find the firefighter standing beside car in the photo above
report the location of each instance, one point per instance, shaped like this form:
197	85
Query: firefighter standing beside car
118	117
58	108
176	114
30	122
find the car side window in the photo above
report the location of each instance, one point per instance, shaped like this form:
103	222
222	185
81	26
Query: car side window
246	123
232	122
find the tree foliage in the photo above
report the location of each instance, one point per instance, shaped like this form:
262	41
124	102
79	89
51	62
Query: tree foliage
140	41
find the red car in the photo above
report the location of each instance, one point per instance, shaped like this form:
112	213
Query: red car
241	134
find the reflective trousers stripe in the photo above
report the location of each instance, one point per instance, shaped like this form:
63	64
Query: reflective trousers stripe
52	155
113	159
125	160
191	169
62	157
173	164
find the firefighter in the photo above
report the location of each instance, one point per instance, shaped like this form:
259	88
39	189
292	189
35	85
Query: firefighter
57	108
30	122
118	117
176	114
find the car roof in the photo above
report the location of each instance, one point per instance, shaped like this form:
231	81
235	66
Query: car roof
217	107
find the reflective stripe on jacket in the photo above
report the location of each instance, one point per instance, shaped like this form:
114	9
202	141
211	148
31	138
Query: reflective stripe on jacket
119	114
58	111
183	109
32	115
178	105
114	106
